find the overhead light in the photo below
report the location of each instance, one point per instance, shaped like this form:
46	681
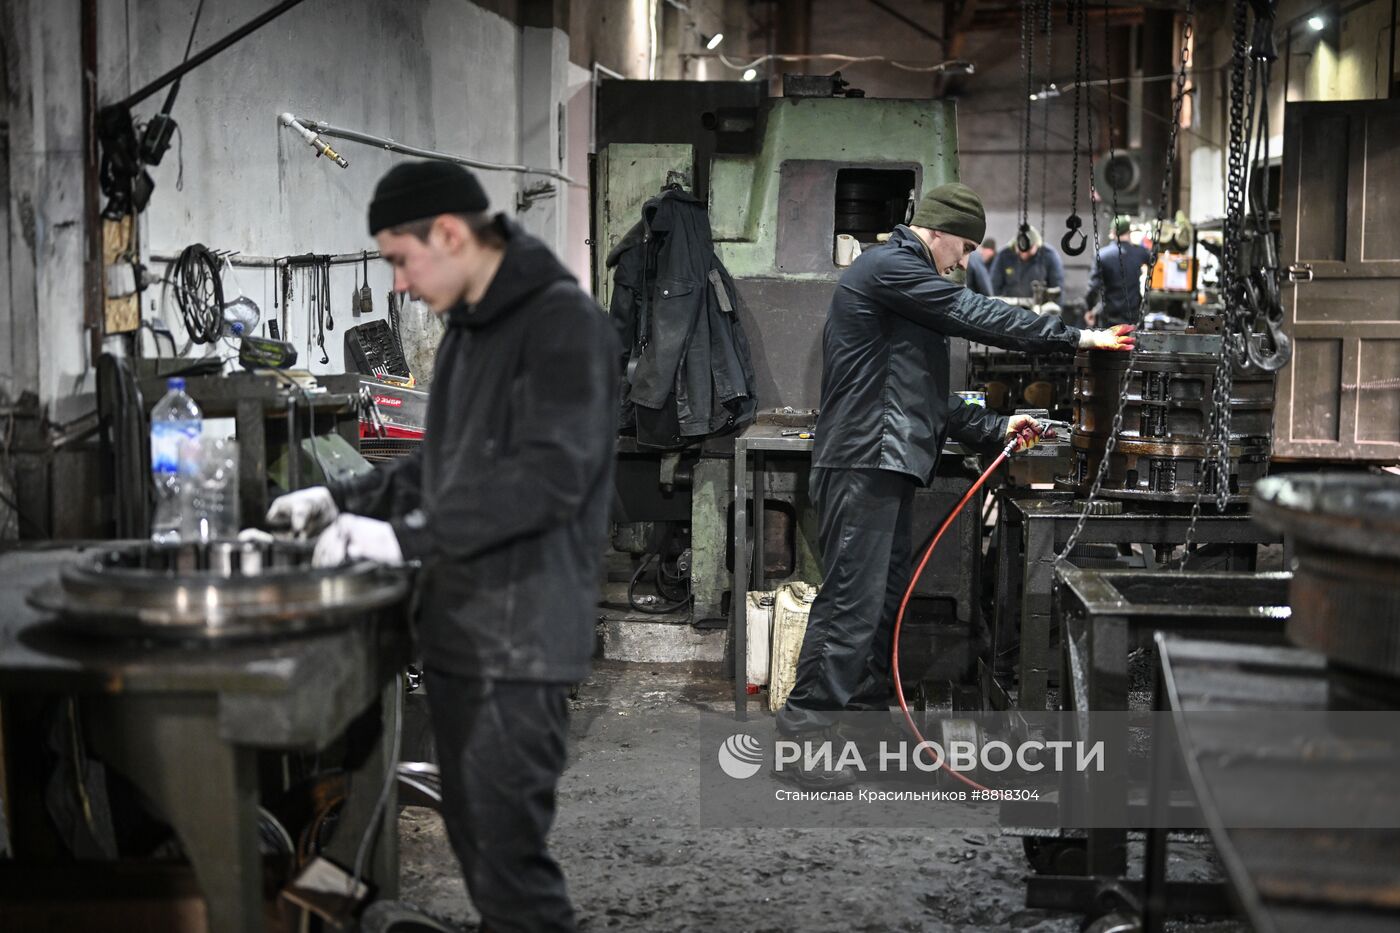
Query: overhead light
1316	23
750	74
712	42
1046	92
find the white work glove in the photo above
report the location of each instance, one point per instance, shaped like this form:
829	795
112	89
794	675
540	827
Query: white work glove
1017	425
1117	337
305	511
354	537
255	536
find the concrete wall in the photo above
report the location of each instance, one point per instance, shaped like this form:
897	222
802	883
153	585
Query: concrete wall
442	74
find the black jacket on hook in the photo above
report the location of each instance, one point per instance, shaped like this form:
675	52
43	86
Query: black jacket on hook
687	370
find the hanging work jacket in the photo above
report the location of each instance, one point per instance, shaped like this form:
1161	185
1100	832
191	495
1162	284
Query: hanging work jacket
687	371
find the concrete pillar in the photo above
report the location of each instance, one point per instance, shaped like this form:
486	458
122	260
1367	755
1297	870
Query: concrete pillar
542	201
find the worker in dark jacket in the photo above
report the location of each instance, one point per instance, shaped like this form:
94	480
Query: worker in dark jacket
885	413
1117	279
506	503
1017	270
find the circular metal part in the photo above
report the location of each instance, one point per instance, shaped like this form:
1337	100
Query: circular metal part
1099	506
1345	529
1166	419
215	590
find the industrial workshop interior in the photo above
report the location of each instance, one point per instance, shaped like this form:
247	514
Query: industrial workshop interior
530	466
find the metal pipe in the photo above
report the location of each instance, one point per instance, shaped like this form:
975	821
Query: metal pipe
313	140
384	142
189	65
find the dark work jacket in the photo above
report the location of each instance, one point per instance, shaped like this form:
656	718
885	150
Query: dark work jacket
885	394
507	499
688	371
1012	278
1117	280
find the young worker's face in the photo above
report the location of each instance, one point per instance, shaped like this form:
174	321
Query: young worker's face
950	252
436	271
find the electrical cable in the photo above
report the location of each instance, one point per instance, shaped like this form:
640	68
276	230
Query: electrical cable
632	589
1006	452
199	293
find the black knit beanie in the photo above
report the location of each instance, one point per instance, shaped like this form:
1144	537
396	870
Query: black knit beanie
415	190
955	209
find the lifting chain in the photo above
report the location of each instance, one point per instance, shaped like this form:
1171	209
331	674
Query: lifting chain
1023	233
1074	241
1214	468
1044	18
1178	97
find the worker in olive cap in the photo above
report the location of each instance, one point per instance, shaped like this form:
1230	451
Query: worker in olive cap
1117	279
506	504
1016	270
886	409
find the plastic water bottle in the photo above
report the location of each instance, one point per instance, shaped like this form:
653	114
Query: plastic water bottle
175	419
209	489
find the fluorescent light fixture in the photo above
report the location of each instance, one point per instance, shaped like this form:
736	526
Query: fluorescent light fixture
1316	23
750	74
713	42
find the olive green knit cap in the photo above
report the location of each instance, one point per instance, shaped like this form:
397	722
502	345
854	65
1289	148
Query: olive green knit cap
952	208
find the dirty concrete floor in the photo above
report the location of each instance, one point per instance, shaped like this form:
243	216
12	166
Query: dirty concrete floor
627	835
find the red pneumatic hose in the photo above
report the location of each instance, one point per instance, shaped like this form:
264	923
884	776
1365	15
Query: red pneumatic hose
1025	434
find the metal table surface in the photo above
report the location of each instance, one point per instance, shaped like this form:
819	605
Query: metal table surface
1283	880
191	719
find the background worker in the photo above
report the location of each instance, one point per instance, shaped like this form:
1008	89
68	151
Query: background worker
886	410
1117	279
1016	270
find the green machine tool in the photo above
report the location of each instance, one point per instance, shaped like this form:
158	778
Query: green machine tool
783	178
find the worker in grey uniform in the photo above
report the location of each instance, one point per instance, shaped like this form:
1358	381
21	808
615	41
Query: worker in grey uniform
1016	270
886	410
1117	279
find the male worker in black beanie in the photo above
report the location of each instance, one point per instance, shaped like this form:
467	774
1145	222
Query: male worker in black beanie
886	410
506	503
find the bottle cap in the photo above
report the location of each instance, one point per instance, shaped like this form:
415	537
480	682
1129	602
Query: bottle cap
175	382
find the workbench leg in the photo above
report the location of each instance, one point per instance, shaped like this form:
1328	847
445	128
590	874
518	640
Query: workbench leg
1038	575
1006	620
1107	681
251	428
204	787
738	599
381	868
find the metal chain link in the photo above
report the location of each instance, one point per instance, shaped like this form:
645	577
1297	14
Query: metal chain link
1045	24
1214	467
1131	369
1027	65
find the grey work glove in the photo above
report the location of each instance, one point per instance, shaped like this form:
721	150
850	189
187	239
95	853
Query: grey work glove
305	511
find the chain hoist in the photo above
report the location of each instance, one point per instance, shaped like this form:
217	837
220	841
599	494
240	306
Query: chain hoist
1129	371
1047	90
1074	241
1023	233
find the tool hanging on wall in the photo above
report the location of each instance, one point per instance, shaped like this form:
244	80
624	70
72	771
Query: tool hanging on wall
365	298
395	301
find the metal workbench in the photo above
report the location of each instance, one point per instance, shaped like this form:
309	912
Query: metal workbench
185	725
1033	529
1104	616
1282	880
